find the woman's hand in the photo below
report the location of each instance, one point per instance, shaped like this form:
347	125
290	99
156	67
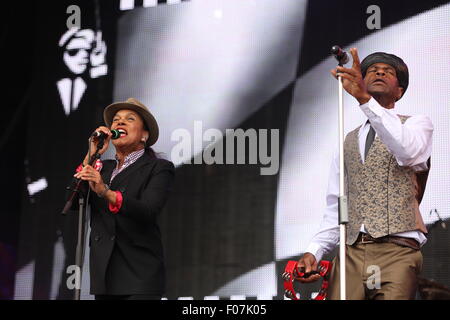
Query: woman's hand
94	141
94	178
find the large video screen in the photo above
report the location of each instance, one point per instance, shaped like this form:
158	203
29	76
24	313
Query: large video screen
208	70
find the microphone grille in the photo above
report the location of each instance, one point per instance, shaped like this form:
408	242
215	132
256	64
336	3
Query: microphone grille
115	134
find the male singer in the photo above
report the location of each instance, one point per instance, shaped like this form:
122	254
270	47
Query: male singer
387	160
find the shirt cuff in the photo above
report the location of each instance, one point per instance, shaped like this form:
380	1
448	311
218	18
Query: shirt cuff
316	250
372	109
97	166
116	207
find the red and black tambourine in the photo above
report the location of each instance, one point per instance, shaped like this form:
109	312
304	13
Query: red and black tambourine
291	273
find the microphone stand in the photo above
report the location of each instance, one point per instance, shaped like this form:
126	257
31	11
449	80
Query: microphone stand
79	253
342	202
343	209
439	221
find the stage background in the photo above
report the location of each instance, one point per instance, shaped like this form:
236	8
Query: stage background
228	231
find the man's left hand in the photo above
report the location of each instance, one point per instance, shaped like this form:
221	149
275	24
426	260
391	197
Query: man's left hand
352	79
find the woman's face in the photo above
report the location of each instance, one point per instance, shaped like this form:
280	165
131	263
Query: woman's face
132	129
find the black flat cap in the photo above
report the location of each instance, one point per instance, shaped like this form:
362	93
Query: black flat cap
382	57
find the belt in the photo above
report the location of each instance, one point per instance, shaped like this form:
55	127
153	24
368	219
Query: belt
401	241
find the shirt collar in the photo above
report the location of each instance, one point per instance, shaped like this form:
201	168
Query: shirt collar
366	122
132	156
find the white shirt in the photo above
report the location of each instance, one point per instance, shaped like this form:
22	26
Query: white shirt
410	143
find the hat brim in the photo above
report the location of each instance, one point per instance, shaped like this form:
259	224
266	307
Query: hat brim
149	120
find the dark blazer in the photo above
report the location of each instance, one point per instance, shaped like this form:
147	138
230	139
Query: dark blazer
126	254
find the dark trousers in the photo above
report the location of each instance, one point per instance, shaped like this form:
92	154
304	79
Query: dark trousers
127	297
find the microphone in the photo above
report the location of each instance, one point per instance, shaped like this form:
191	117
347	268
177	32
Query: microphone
102	135
340	55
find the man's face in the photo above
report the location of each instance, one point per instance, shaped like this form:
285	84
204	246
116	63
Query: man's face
381	80
76	55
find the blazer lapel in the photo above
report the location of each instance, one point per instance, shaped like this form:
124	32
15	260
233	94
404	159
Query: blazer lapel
108	219
107	171
121	176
